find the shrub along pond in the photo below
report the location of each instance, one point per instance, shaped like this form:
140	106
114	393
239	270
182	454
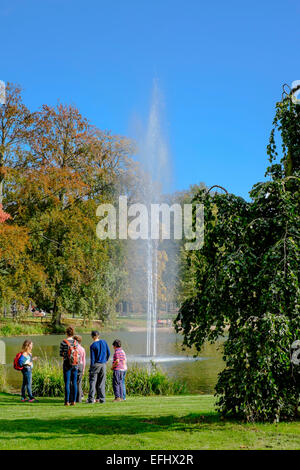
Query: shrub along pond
47	381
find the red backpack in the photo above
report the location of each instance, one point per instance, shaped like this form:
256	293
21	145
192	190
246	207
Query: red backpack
73	354
16	361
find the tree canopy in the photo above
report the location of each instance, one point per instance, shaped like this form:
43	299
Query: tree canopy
55	168
246	279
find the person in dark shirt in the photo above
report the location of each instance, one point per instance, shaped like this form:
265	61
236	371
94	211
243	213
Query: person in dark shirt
70	371
99	355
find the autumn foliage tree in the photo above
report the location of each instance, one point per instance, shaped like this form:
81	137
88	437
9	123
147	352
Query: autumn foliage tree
15	126
19	274
59	168
17	271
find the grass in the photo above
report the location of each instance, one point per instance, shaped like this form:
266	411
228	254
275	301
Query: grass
34	326
153	423
127	322
10	328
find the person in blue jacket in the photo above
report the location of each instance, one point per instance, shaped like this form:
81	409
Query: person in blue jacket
99	355
26	362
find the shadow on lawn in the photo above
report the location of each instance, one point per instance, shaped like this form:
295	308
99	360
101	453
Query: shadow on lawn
99	424
102	425
9	399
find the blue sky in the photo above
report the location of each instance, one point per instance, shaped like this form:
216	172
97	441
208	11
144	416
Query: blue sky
220	66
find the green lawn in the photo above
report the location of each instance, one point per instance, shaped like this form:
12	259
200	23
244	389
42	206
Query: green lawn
155	423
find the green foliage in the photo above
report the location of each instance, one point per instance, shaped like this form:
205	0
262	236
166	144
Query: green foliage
152	382
58	329
287	122
247	276
17	329
47	381
259	381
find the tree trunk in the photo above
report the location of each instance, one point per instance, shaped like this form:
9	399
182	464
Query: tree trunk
56	316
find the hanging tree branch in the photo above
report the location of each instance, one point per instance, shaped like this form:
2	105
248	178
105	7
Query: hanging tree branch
217	186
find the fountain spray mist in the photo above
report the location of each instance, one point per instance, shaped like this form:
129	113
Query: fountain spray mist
156	163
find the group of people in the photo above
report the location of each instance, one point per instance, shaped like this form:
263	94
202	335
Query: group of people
74	363
73	354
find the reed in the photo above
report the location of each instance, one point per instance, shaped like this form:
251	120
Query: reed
47	381
4	387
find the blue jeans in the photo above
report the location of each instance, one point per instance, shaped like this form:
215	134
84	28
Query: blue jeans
27	381
118	383
123	385
70	378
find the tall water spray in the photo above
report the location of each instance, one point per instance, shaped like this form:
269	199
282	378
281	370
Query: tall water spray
151	297
145	256
155	159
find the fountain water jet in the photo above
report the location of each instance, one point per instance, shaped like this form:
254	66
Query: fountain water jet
152	297
155	179
155	161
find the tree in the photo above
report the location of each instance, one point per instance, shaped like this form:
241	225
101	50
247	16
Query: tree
3	215
246	277
19	275
74	168
18	272
57	169
15	127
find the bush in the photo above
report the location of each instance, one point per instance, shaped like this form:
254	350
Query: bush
260	383
47	381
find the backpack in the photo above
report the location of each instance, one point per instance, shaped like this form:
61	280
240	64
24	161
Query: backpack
73	354
16	361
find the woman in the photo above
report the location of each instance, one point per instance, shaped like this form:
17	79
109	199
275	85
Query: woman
81	368
69	353
26	362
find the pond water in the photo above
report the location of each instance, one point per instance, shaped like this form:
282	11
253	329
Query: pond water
200	374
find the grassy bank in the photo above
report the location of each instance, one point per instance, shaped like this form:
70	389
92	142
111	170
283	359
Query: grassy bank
181	422
10	328
37	327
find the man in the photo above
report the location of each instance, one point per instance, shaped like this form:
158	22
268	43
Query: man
99	355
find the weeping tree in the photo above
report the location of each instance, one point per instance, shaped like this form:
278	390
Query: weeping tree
246	279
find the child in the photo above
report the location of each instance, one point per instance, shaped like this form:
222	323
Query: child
26	361
81	368
119	368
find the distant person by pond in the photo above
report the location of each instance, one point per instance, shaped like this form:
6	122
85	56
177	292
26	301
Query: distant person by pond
24	362
70	354
119	367
99	355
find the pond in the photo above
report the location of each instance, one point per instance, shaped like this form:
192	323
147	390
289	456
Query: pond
199	374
